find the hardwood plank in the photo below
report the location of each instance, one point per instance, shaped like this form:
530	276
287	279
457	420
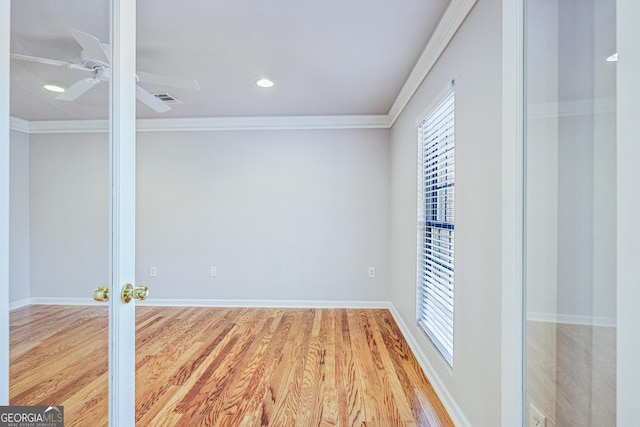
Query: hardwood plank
248	376
396	406
286	379
328	344
427	408
206	403
312	388
351	379
227	367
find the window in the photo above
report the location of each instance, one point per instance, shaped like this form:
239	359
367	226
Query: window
436	188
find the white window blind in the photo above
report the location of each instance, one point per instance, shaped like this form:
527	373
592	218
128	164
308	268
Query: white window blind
436	189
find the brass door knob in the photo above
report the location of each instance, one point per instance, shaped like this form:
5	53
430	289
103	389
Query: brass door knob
101	294
130	292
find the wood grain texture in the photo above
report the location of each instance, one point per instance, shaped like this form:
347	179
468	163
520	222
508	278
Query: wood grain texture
227	367
571	373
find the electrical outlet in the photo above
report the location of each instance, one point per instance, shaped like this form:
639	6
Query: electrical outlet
153	272
213	271
536	417
372	272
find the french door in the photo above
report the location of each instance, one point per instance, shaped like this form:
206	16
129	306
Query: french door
121	270
581	203
5	18
122	161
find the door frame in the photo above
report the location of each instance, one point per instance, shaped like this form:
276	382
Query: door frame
122	161
512	351
122	131
5	31
628	210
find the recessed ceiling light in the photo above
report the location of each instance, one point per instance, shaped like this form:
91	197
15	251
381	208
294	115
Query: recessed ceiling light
264	83
53	88
613	58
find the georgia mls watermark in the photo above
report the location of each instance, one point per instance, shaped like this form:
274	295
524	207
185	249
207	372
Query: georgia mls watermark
31	416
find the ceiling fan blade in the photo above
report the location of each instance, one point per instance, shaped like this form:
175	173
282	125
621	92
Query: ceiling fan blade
78	88
92	48
45	61
151	101
161	80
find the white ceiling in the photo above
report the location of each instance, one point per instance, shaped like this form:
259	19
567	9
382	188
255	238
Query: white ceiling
329	57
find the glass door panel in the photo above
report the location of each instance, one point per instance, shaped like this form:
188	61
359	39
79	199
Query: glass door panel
570	205
168	62
59	206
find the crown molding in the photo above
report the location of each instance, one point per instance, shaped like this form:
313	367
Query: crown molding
451	21
571	108
19	125
264	123
208	124
61	126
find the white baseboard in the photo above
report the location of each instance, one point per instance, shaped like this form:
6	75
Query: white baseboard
263	303
572	319
454	411
210	303
18	304
62	301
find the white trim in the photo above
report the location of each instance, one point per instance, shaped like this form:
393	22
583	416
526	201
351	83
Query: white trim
264	123
19	125
435	101
628	211
171	302
60	301
18	304
444	32
69	126
122	165
573	319
207	124
263	303
5	32
4	272
572	108
453	409
512	230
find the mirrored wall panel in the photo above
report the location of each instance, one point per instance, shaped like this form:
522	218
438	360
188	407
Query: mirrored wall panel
570	253
60	72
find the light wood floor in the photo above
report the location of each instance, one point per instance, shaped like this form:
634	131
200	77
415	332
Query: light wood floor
571	373
227	367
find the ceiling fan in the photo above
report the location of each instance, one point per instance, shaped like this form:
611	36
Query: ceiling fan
96	59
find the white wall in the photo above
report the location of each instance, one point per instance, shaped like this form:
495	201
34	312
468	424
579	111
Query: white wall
284	215
69	210
473	59
19	274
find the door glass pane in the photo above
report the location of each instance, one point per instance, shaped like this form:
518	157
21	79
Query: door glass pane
570	226
59	220
167	61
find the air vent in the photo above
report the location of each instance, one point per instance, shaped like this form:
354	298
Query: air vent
167	98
